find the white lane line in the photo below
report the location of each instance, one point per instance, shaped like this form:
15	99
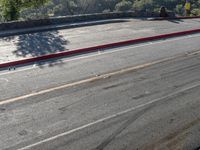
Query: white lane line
111	50
91	79
108	118
94	78
103	76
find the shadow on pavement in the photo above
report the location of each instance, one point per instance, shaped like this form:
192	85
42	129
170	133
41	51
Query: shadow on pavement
38	44
173	20
61	26
46	41
177	21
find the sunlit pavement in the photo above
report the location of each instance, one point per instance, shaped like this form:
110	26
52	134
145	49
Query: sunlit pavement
143	96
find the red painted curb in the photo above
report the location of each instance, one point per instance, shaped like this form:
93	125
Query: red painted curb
95	48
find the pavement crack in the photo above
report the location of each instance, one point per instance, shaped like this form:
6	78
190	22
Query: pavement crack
114	86
174	139
108	140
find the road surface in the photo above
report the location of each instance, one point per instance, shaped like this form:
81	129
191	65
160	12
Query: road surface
37	44
138	97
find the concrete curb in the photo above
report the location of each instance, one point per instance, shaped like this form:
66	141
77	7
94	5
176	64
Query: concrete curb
96	48
173	18
57	27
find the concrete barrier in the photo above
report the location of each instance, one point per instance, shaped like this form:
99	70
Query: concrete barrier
96	48
28	24
63	20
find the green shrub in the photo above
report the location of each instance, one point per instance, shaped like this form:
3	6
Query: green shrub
124	5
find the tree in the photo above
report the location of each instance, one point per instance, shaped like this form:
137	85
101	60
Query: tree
36	9
11	8
109	4
153	6
143	5
124	5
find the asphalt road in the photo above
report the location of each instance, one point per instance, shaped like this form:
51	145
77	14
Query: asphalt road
144	96
41	43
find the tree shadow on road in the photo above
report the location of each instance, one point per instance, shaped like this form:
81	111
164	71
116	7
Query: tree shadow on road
38	44
177	21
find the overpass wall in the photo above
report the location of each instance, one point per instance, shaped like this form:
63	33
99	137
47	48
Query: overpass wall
64	19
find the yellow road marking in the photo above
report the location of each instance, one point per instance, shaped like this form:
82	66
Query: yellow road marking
103	76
